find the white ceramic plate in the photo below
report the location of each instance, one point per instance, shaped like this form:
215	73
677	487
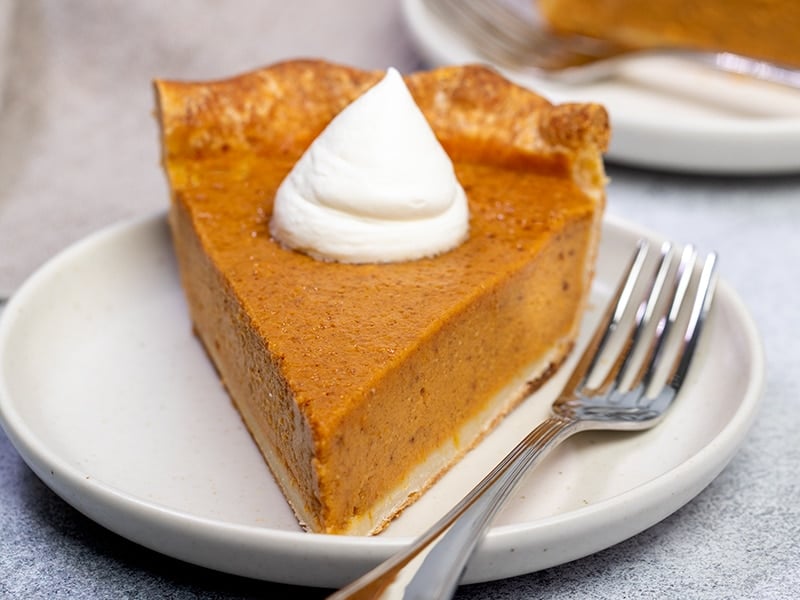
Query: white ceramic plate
111	401
665	114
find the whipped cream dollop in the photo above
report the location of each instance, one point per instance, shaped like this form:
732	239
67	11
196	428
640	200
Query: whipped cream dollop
375	186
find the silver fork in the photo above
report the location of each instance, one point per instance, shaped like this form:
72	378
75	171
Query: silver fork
655	317
513	40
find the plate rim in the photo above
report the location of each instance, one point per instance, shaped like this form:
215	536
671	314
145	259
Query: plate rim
103	502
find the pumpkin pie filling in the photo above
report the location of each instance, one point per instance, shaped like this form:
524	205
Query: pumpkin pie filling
763	30
363	383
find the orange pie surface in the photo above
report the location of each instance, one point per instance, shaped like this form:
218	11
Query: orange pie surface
363	383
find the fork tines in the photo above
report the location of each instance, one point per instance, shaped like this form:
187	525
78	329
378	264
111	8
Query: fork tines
653	325
514	38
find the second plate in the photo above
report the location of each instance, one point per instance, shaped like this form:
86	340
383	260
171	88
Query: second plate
666	113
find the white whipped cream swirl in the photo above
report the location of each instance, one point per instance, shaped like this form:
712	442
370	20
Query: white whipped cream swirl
375	186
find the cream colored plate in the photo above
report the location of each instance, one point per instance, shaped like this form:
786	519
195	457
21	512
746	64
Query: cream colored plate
665	113
111	401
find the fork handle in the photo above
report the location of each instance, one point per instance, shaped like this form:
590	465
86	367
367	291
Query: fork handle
432	566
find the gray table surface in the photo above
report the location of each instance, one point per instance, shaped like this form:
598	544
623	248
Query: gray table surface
78	151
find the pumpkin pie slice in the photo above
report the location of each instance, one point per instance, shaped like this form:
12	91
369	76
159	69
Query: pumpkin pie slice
363	383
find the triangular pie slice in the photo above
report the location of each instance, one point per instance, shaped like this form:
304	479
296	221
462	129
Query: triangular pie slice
361	384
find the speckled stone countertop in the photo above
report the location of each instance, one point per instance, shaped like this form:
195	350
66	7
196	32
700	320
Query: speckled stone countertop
78	151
